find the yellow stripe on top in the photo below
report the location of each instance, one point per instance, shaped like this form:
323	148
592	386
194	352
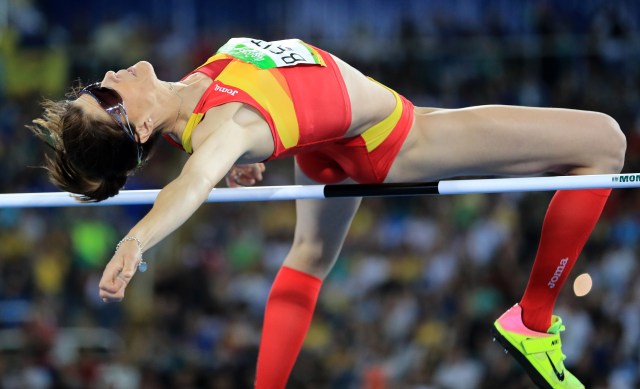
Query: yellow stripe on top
196	118
186	134
375	135
266	89
214	57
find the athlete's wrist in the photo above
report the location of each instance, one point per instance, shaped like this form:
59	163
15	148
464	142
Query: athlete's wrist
142	264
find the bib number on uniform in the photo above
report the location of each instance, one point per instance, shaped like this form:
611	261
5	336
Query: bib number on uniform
276	54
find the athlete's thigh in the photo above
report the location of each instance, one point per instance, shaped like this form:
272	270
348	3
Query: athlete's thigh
321	228
507	140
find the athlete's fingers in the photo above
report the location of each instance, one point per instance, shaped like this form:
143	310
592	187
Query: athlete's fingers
110	283
244	180
116	276
234	176
244	175
235	179
257	169
228	179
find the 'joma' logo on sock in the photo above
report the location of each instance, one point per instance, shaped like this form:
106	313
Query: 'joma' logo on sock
558	273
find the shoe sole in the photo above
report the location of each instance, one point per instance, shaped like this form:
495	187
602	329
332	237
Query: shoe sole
533	373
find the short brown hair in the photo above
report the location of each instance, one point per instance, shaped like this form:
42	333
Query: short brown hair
91	157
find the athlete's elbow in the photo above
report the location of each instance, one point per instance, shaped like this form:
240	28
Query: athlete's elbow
194	188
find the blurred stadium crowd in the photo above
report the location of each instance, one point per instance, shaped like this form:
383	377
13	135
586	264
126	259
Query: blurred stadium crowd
420	280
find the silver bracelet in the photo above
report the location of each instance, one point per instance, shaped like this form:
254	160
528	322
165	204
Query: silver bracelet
142	265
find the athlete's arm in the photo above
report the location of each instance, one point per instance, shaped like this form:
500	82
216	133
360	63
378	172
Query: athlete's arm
176	202
184	195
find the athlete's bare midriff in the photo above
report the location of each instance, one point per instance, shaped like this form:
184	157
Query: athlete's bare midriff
370	101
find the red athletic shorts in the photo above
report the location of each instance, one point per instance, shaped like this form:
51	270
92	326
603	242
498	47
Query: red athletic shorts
366	158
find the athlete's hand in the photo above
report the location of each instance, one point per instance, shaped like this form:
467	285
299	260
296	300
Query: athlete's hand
244	175
119	271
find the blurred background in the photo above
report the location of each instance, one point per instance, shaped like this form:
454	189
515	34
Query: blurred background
420	281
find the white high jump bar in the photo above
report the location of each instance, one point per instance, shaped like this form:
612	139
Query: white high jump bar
293	192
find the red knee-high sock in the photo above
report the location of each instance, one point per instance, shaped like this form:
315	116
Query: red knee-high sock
570	218
287	318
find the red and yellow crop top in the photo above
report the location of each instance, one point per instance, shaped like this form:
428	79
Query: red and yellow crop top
296	87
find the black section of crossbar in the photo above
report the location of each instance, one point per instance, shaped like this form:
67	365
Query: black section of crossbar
373	190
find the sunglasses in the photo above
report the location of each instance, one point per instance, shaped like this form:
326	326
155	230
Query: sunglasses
112	103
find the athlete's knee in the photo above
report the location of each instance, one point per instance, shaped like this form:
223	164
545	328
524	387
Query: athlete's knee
615	143
311	256
607	154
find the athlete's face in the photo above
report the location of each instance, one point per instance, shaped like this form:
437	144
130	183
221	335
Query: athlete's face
134	85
